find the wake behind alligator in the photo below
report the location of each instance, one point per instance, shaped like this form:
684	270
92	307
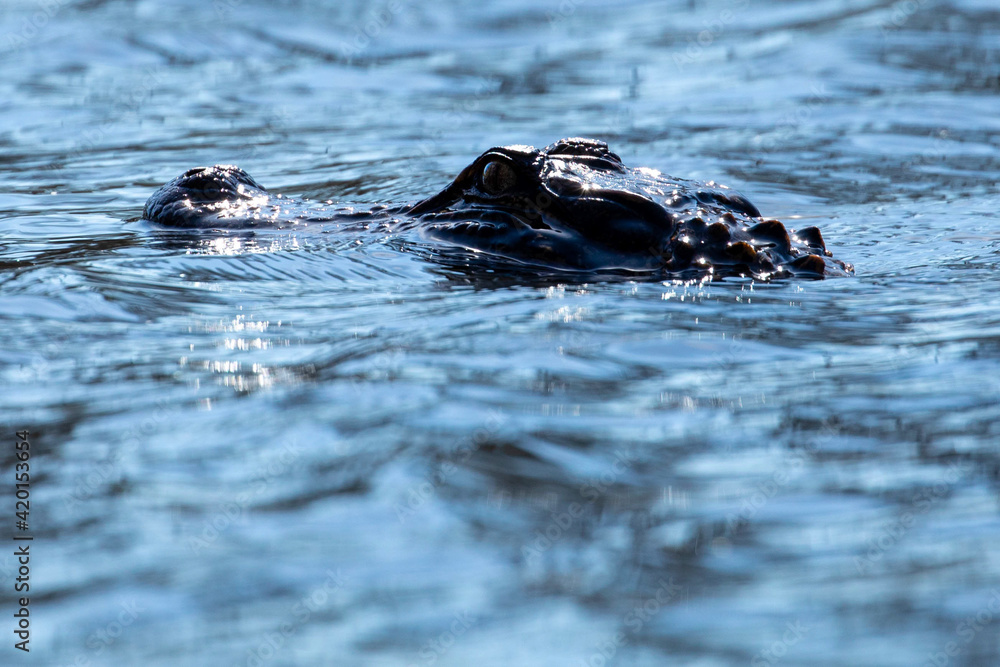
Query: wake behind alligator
572	206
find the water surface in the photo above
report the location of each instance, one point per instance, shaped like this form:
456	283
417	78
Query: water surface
299	449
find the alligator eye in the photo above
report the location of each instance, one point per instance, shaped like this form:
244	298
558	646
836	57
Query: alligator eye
498	178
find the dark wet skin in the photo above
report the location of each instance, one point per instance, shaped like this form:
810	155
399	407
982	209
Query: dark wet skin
573	206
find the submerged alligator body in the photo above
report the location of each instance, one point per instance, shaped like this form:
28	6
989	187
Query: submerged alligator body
572	206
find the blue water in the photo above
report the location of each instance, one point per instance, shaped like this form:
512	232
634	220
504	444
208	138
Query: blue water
301	449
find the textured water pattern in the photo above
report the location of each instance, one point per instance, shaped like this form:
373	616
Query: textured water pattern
301	449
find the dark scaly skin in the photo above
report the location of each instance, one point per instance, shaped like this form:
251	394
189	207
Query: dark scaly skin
573	206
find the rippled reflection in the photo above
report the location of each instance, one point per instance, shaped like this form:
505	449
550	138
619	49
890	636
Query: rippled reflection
306	443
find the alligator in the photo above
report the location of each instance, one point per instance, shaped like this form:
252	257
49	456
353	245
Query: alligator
572	206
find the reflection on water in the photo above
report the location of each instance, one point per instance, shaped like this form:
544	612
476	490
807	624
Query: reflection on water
298	448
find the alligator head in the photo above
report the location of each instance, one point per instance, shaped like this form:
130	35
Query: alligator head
575	205
571	206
